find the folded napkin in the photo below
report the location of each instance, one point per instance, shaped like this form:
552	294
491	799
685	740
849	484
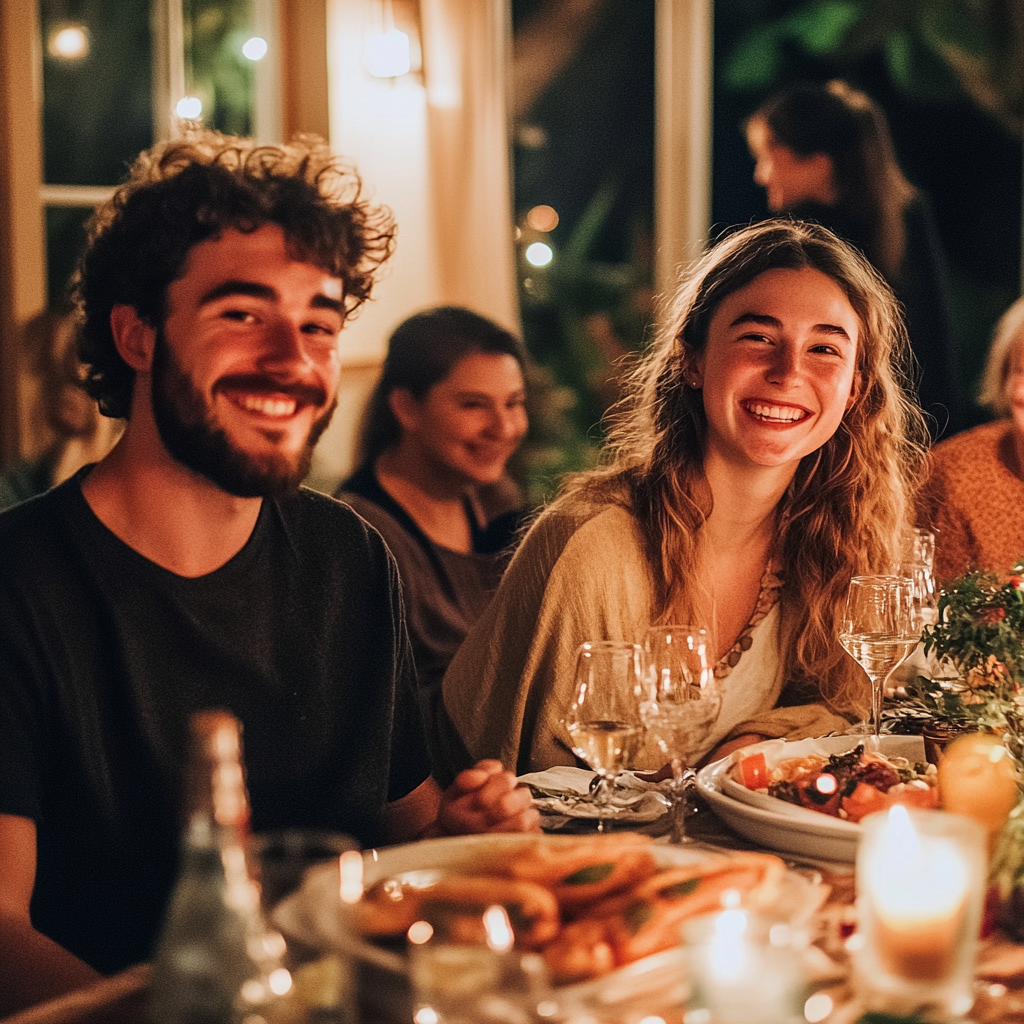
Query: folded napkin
566	790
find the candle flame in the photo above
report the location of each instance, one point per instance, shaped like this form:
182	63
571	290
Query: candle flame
499	928
350	867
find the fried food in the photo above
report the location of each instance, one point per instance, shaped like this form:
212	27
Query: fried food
589	904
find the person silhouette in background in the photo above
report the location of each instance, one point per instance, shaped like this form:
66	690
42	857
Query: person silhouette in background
67	429
447	414
824	153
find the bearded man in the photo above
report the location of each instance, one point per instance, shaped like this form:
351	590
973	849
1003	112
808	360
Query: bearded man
188	569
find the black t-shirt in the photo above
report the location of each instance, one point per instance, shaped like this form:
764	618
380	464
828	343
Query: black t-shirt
104	655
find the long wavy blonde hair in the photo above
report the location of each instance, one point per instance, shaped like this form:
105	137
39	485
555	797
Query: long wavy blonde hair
850	501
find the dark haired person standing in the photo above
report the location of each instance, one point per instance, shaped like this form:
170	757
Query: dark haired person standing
188	570
824	153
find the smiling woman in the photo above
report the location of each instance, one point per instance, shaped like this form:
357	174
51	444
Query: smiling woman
768	453
448	413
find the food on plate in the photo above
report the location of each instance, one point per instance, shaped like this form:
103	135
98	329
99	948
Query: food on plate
589	903
391	908
647	917
850	785
589	870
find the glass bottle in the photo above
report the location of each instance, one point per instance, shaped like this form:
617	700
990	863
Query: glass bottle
216	961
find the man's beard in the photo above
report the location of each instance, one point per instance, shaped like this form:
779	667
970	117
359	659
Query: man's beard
189	432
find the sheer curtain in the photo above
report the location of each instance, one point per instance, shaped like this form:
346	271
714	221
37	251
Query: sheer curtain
434	148
465	54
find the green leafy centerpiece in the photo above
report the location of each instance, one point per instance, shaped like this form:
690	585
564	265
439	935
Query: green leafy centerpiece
978	642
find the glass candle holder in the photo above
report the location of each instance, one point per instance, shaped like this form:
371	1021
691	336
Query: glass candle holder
920	890
743	969
465	968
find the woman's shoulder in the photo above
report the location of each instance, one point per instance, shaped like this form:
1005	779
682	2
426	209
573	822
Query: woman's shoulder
577	528
970	444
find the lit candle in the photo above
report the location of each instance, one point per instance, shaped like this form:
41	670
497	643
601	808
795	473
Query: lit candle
742	971
920	877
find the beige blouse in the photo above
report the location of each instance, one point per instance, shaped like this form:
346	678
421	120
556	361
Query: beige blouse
584	576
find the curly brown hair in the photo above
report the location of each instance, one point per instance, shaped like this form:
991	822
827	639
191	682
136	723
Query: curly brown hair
180	193
848	505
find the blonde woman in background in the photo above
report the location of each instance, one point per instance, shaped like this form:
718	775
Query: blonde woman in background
974	500
768	454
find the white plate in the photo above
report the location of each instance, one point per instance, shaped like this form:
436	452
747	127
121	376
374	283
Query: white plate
311	914
783	826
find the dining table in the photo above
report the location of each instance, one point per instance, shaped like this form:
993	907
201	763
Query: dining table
385	999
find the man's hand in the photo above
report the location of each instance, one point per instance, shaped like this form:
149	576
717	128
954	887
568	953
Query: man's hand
486	798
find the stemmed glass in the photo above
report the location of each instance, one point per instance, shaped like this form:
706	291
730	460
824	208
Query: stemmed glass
925	608
878	631
682	701
603	720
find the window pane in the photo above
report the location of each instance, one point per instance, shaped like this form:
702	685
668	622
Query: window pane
97	89
216	70
65	237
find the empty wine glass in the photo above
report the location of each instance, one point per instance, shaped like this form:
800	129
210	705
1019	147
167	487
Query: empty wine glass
682	702
877	630
603	720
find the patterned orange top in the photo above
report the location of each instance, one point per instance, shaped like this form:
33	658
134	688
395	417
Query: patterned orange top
974	502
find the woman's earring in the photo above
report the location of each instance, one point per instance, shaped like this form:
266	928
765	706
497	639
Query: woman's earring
694	381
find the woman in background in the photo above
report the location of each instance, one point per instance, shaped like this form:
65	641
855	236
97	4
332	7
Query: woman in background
446	416
68	431
768	454
824	153
974	500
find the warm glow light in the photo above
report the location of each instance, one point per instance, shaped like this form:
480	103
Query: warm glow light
818	1007
913	882
255	48
539	255
729	953
499	929
425	1015
826	785
189	108
542	218
387	54
69	42
351	870
420	932
280	981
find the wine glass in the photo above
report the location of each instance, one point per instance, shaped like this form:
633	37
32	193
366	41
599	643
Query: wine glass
925	609
603	720
682	701
877	630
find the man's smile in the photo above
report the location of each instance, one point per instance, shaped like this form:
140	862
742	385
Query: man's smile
270	398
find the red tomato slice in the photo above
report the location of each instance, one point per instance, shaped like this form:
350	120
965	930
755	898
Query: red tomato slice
755	771
864	800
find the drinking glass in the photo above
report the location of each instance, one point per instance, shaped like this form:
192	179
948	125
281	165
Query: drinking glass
925	599
877	630
603	720
682	701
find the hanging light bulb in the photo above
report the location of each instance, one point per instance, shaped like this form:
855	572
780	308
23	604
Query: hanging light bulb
386	52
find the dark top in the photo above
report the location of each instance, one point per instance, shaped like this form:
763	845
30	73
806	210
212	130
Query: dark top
26	479
923	289
444	591
104	655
